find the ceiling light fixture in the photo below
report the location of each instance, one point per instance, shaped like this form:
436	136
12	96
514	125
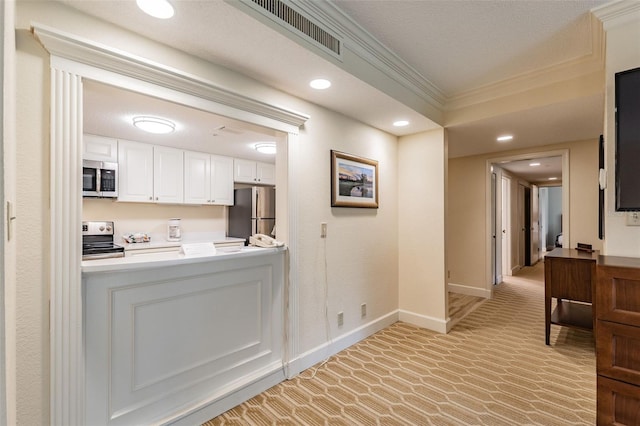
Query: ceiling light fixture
504	138
553	178
320	84
534	164
401	123
265	147
154	124
160	9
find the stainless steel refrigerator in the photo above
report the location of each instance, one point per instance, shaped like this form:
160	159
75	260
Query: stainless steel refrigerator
253	212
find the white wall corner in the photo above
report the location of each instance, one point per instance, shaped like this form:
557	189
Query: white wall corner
470	291
435	324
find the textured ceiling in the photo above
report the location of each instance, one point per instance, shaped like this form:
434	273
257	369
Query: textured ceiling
457	46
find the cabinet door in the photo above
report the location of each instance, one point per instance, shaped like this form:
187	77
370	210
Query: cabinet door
265	173
135	168
168	175
244	171
197	178
99	148
221	180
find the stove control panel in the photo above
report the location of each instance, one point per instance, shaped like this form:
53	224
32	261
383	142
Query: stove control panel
97	228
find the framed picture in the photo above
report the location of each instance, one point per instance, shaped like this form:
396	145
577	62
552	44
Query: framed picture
354	181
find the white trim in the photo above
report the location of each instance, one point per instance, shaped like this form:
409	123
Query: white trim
71	60
67	358
292	297
564	153
615	13
424	321
324	351
79	51
470	291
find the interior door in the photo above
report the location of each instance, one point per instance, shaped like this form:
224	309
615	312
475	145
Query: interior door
506	226
535	222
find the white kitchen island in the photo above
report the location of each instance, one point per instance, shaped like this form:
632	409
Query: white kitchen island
175	339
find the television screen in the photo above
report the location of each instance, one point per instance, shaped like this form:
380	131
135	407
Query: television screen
627	93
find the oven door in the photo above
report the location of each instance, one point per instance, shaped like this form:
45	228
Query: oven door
90	178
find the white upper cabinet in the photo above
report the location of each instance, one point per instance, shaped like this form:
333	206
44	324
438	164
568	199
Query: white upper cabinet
135	172
168	175
208	179
255	172
99	148
221	180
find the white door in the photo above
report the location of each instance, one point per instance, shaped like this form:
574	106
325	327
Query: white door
535	220
506	226
135	172
197	178
221	180
521	227
168	175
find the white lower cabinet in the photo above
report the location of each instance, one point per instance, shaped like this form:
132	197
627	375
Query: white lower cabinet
208	179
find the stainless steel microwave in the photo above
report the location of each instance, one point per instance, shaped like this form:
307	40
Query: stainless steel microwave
99	179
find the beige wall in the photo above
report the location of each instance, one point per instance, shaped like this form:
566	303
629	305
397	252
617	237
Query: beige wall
422	201
32	233
623	53
467	254
361	249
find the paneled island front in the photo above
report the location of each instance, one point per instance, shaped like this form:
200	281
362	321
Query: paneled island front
175	339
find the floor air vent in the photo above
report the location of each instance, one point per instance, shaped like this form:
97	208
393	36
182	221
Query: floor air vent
290	16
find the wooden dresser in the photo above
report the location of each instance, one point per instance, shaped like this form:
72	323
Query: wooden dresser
617	310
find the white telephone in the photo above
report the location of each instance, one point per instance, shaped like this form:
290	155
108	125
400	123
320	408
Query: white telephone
261	240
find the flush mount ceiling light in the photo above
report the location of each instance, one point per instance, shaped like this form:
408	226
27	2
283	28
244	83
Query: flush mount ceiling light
534	164
265	147
160	9
320	84
154	124
553	178
401	123
504	138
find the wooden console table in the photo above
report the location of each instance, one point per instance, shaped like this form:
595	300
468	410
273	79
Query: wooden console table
569	277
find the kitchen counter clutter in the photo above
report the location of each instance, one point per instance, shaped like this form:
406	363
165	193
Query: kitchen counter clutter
158	242
168	336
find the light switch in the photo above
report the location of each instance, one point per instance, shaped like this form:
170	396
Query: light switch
633	219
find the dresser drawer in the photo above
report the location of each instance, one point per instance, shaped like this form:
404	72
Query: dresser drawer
618	403
618	351
618	295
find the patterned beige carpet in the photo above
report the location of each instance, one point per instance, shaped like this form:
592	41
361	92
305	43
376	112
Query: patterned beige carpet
493	368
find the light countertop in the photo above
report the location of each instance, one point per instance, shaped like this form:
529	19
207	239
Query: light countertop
164	259
160	240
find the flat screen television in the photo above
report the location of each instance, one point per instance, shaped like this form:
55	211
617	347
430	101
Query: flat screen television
627	93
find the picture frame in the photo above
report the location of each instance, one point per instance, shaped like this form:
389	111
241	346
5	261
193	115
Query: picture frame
354	181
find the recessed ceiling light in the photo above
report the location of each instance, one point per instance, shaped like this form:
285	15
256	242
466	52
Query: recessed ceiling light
155	125
504	138
534	164
265	147
160	9
320	84
553	178
401	123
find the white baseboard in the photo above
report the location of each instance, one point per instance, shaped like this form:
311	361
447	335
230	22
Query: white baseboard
469	291
227	398
435	324
324	351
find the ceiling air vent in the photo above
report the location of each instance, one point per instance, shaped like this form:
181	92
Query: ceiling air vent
301	23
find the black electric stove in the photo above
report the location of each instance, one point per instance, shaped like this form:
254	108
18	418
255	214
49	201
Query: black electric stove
97	241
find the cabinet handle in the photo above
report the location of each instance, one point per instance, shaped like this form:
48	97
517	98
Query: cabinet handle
150	198
156	198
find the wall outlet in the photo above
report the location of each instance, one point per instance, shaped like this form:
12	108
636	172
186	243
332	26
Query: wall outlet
323	230
363	310
633	219
340	319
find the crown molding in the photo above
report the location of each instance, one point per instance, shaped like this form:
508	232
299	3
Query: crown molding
539	78
361	43
71	47
617	12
